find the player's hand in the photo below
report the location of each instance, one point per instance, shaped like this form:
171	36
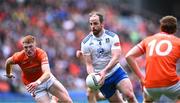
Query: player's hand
9	76
78	54
142	84
102	73
32	87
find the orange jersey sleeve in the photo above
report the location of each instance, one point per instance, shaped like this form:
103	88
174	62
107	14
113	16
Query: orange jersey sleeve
162	52
31	67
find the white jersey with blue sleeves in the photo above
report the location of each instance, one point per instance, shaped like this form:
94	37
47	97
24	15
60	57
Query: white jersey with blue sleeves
100	49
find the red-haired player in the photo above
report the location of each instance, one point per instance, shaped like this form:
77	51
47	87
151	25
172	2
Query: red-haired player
36	74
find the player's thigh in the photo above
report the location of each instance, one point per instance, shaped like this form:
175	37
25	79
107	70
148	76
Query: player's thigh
173	92
58	90
43	99
125	86
153	93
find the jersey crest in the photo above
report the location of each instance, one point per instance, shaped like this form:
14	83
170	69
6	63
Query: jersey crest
107	40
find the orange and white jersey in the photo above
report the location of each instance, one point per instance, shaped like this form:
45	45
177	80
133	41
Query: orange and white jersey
162	52
31	67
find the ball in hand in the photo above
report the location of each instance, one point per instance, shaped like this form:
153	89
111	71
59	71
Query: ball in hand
92	81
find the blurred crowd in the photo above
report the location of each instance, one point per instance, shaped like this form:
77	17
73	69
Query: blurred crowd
59	26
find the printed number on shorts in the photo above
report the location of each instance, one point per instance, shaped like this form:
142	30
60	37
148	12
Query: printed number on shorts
155	46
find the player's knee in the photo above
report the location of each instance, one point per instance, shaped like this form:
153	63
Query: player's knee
129	94
65	100
64	97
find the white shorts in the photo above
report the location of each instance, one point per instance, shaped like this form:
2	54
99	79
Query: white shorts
172	92
43	88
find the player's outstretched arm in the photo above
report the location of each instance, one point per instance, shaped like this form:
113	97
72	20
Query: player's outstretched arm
46	73
131	60
88	62
8	67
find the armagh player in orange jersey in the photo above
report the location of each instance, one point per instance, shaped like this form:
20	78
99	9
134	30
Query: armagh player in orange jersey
36	74
162	52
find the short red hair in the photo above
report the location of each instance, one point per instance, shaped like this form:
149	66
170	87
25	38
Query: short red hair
28	39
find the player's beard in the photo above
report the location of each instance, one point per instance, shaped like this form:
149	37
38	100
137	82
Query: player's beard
97	32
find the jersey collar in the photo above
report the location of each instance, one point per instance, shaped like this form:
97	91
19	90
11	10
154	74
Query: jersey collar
99	38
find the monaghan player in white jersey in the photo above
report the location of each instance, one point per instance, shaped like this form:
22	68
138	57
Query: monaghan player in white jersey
101	52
